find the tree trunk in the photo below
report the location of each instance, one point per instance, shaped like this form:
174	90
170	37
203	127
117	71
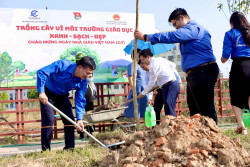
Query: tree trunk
6	78
135	71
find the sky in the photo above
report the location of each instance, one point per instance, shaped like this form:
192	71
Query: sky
204	12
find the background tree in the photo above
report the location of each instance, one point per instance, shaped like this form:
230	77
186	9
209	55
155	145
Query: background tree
6	70
3	96
32	94
236	5
32	73
19	64
70	53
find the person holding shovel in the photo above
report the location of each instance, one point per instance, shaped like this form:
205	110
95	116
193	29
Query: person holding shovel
53	84
162	71
198	60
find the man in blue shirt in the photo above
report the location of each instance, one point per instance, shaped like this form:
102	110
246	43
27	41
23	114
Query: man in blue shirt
197	60
53	84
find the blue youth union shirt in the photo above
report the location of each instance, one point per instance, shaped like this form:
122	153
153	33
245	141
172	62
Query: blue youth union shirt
195	44
235	45
140	74
58	77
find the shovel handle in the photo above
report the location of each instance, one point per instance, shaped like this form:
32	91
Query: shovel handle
129	101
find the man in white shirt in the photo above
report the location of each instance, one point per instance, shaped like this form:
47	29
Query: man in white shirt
158	101
162	71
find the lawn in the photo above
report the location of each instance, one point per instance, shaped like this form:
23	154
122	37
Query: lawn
84	156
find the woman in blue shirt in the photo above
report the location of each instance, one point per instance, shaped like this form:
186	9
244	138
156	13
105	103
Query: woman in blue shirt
140	85
237	45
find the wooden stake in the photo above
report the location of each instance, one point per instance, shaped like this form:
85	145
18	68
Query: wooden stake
135	71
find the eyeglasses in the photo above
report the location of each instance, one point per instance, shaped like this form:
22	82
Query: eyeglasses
174	24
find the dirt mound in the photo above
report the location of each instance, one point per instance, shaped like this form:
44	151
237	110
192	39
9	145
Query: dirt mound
188	142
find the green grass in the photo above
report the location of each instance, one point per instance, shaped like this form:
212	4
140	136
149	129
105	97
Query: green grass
88	155
85	156
244	139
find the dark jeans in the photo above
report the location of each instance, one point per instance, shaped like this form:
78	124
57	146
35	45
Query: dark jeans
200	90
167	96
47	115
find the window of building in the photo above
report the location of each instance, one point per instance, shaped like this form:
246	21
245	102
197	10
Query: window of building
116	86
171	58
178	57
179	68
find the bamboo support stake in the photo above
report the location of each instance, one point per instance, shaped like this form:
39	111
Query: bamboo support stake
135	71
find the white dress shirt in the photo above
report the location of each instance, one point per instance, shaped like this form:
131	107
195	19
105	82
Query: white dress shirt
149	95
160	70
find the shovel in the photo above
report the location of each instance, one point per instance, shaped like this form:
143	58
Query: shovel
129	101
74	123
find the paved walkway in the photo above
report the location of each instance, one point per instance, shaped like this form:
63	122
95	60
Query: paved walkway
13	150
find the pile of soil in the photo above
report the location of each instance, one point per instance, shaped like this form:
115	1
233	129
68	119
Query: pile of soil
107	106
182	141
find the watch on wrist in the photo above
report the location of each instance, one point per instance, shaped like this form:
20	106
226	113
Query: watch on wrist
145	37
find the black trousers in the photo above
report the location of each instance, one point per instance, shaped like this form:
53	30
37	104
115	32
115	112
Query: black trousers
47	115
158	104
200	90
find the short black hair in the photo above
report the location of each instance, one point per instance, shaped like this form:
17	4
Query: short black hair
145	53
86	62
176	14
